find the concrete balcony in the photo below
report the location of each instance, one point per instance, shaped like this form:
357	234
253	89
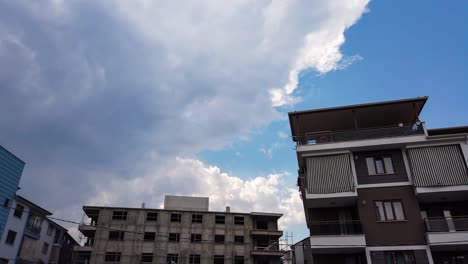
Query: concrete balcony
266	232
337	236
85	227
267	251
85	248
33	231
447	232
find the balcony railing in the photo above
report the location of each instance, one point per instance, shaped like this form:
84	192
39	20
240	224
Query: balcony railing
335	228
447	224
34	228
359	134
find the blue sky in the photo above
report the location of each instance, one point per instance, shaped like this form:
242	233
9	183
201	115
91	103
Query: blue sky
119	103
422	53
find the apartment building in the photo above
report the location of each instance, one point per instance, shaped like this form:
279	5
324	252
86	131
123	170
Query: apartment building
184	232
30	237
378	186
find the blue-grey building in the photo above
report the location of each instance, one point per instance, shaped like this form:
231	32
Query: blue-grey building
11	168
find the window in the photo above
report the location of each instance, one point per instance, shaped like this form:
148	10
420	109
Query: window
174	237
238	220
389	210
238	239
149	236
11	236
18	210
57	236
379	165
6	203
3	261
152	216
194	259
176	217
116	235
119	215
50	230
219	238
262	225
172	258
195	238
45	248
112	257
399	257
218	259
147	257
220	219
238	260
197	218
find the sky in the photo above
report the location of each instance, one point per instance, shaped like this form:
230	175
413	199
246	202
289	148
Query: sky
121	102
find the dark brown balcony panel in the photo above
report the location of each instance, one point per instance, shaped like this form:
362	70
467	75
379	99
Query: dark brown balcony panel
438	166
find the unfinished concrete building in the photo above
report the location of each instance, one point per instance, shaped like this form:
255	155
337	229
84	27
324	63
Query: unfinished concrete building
184	232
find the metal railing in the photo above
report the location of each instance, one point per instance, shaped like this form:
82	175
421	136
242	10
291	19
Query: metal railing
446	224
335	228
359	134
34	228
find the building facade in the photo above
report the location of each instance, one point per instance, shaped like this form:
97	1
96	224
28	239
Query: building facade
379	187
11	169
184	232
30	237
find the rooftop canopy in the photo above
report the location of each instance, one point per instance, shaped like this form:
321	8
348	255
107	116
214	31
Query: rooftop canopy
352	117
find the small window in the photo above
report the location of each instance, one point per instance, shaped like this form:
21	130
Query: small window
112	257
218	259
399	257
147	257
116	235
379	165
50	229
3	261
176	217
219	239
238	260
45	248
389	210
194	259
6	203
11	236
197	218
119	215
174	237
195	238
149	236
238	239
152	216
238	220
220	219
172	258
18	210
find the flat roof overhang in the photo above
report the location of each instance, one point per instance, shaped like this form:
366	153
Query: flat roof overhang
360	116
